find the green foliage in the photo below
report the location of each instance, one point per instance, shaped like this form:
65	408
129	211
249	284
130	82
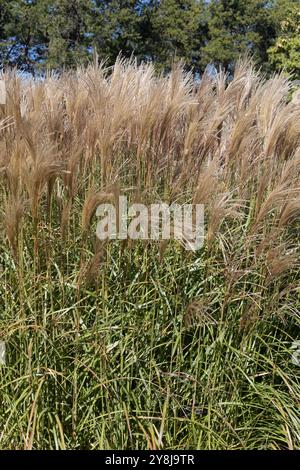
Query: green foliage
178	29
22	34
65	25
40	34
43	33
111	368
285	53
116	28
4	16
235	27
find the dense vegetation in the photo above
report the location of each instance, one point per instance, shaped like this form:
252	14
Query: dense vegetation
39	34
143	345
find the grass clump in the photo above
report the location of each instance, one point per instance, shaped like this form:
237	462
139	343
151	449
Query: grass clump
143	345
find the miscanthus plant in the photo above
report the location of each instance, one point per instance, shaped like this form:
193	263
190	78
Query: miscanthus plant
141	344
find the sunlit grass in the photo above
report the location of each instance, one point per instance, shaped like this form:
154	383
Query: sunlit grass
142	344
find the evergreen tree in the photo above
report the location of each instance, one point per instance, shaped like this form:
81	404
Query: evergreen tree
43	33
21	35
116	28
5	19
62	33
237	26
65	26
177	29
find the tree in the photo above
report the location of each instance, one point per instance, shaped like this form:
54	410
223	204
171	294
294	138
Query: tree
21	34
4	21
42	33
116	27
177	29
285	53
66	30
4	16
237	26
